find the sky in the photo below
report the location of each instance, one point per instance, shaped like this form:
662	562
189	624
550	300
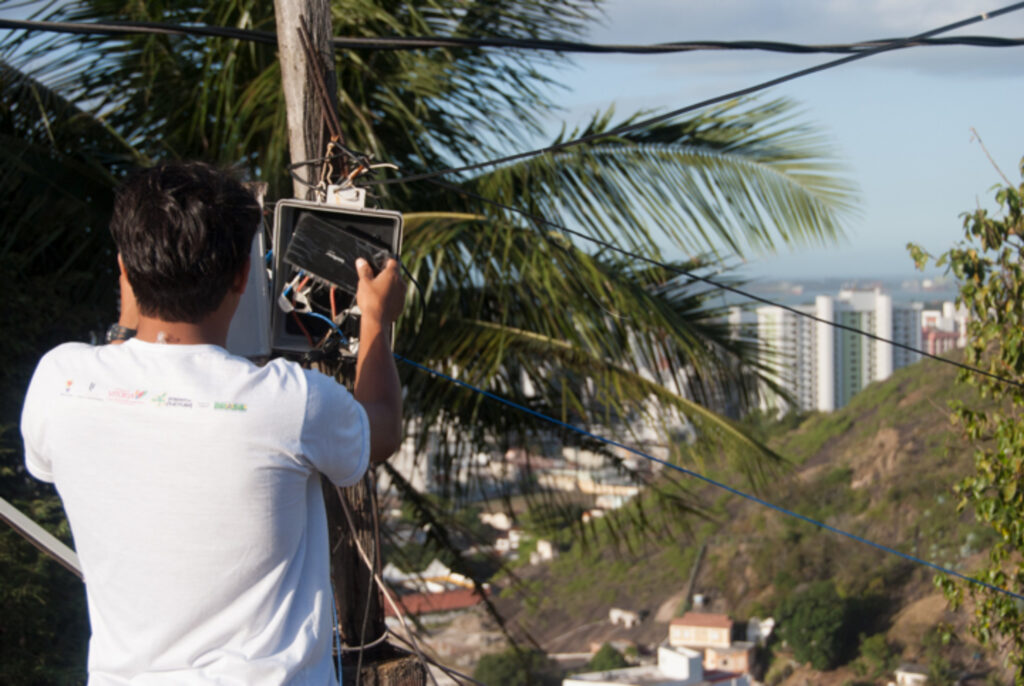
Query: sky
900	123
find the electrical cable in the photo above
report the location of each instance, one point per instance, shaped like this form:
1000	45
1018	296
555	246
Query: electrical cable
723	286
329	322
417	43
140	28
707	480
363	645
657	119
385	591
336	632
447	670
302	327
432	42
346	648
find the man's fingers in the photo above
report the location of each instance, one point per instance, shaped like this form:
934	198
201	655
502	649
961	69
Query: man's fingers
363	269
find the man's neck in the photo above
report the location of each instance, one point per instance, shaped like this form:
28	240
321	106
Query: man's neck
180	333
212	329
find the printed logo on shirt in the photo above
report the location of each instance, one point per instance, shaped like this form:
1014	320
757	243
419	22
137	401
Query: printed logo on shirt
234	407
122	395
80	392
164	400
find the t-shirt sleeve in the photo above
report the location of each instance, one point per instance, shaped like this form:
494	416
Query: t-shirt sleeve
335	431
33	422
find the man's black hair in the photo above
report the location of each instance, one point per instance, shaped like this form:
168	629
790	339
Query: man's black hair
184	231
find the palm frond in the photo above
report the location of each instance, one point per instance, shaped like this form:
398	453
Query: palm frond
737	178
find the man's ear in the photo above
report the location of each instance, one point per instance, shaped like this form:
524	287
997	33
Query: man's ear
241	278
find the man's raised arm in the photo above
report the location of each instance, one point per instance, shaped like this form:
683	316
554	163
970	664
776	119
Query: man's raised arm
377	389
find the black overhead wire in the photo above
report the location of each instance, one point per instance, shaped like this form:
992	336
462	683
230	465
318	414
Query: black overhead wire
139	28
433	42
651	121
718	284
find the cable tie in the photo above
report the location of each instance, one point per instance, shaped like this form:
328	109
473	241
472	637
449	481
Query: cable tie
284	303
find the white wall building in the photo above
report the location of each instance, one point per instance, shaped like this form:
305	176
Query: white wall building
949	320
822	367
676	667
796	351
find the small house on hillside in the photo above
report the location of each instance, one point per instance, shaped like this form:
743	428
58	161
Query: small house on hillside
910	675
760	630
627	618
701	630
510	542
435	578
738	657
434	606
544	552
676	667
498	520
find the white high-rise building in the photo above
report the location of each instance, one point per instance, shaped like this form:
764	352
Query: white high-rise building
820	366
796	349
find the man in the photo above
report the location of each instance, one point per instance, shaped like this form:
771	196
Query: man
190	477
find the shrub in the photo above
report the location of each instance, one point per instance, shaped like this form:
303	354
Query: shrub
518	668
813	624
606	659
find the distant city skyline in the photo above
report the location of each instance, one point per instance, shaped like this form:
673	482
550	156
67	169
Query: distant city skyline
900	123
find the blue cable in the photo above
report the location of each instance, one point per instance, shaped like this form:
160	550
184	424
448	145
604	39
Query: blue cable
344	338
336	631
708	480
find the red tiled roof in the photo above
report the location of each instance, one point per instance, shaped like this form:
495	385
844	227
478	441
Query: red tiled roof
425	603
708	619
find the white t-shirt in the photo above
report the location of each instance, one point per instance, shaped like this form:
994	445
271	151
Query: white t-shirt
189	477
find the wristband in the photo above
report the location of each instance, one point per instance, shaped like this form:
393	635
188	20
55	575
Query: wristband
116	332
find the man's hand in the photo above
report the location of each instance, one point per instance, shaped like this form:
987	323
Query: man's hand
380	297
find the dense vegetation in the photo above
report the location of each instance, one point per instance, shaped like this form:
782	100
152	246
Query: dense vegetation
989	264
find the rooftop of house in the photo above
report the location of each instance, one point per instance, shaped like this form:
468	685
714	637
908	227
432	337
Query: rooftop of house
704	619
736	647
426	603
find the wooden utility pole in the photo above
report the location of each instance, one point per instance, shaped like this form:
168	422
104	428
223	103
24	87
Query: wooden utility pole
358	601
307	134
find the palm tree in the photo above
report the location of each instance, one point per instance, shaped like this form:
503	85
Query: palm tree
733	179
512	304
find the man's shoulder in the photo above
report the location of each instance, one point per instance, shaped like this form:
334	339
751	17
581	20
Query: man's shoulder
71	350
67	353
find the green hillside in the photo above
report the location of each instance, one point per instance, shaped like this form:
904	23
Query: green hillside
881	468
